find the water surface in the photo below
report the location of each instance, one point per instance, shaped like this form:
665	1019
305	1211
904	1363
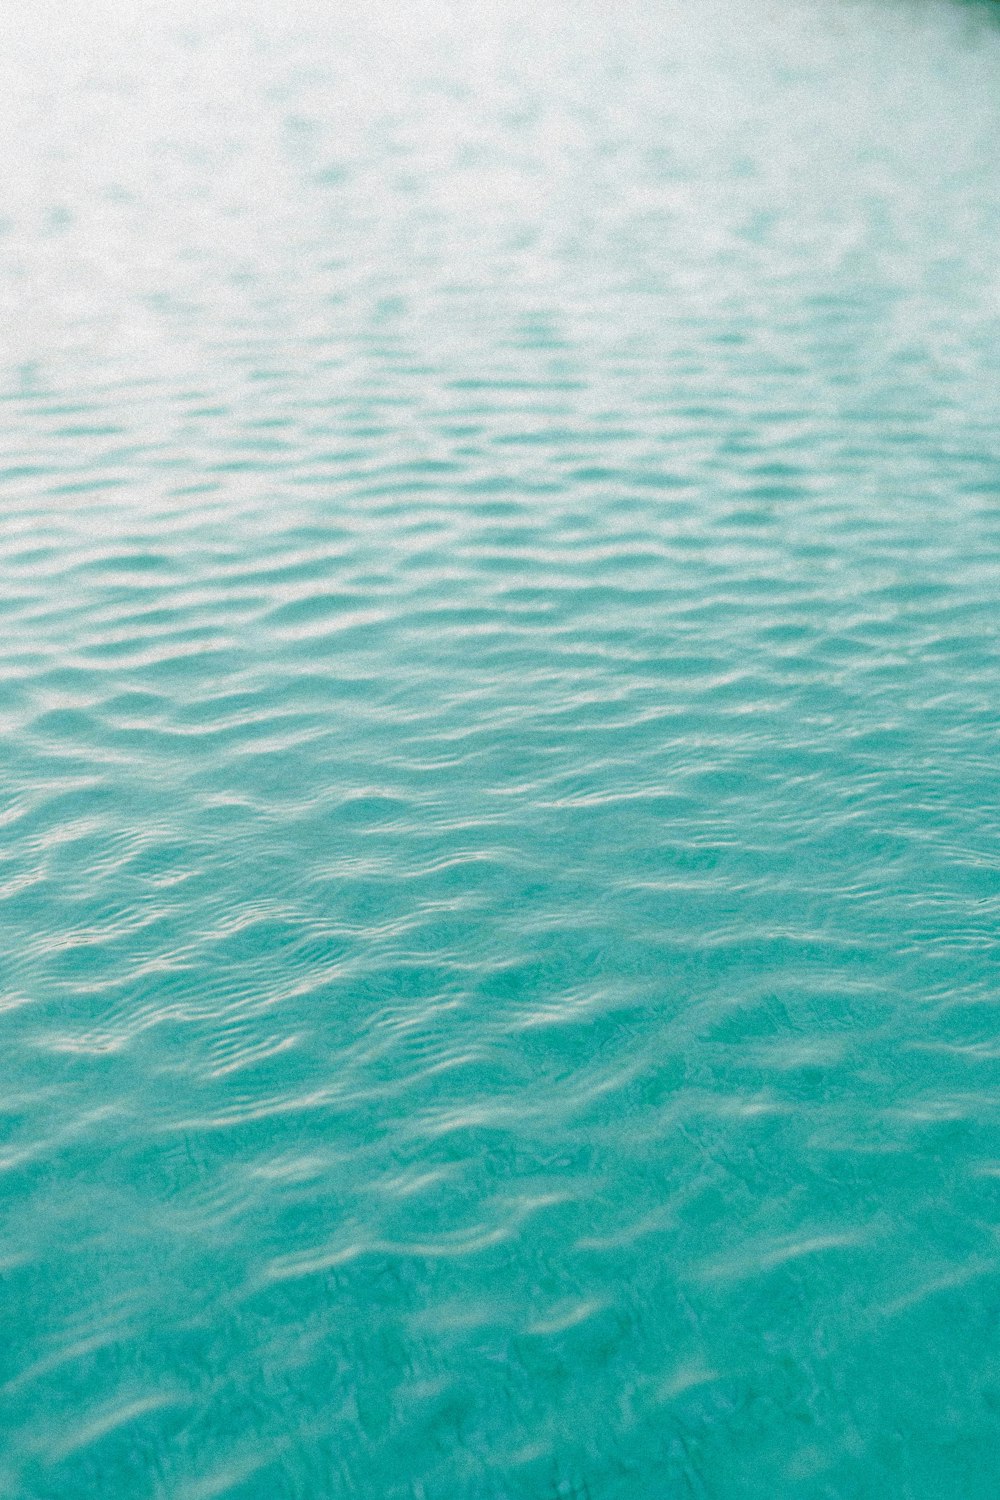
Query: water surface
499	561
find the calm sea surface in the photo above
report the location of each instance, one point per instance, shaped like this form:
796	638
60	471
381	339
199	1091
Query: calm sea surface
499	696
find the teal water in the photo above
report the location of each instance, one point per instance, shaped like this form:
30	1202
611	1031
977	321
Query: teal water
499	562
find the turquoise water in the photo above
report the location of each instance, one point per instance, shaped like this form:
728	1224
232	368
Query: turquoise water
499	677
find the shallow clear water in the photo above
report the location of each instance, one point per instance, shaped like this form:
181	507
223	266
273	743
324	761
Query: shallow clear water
500	551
